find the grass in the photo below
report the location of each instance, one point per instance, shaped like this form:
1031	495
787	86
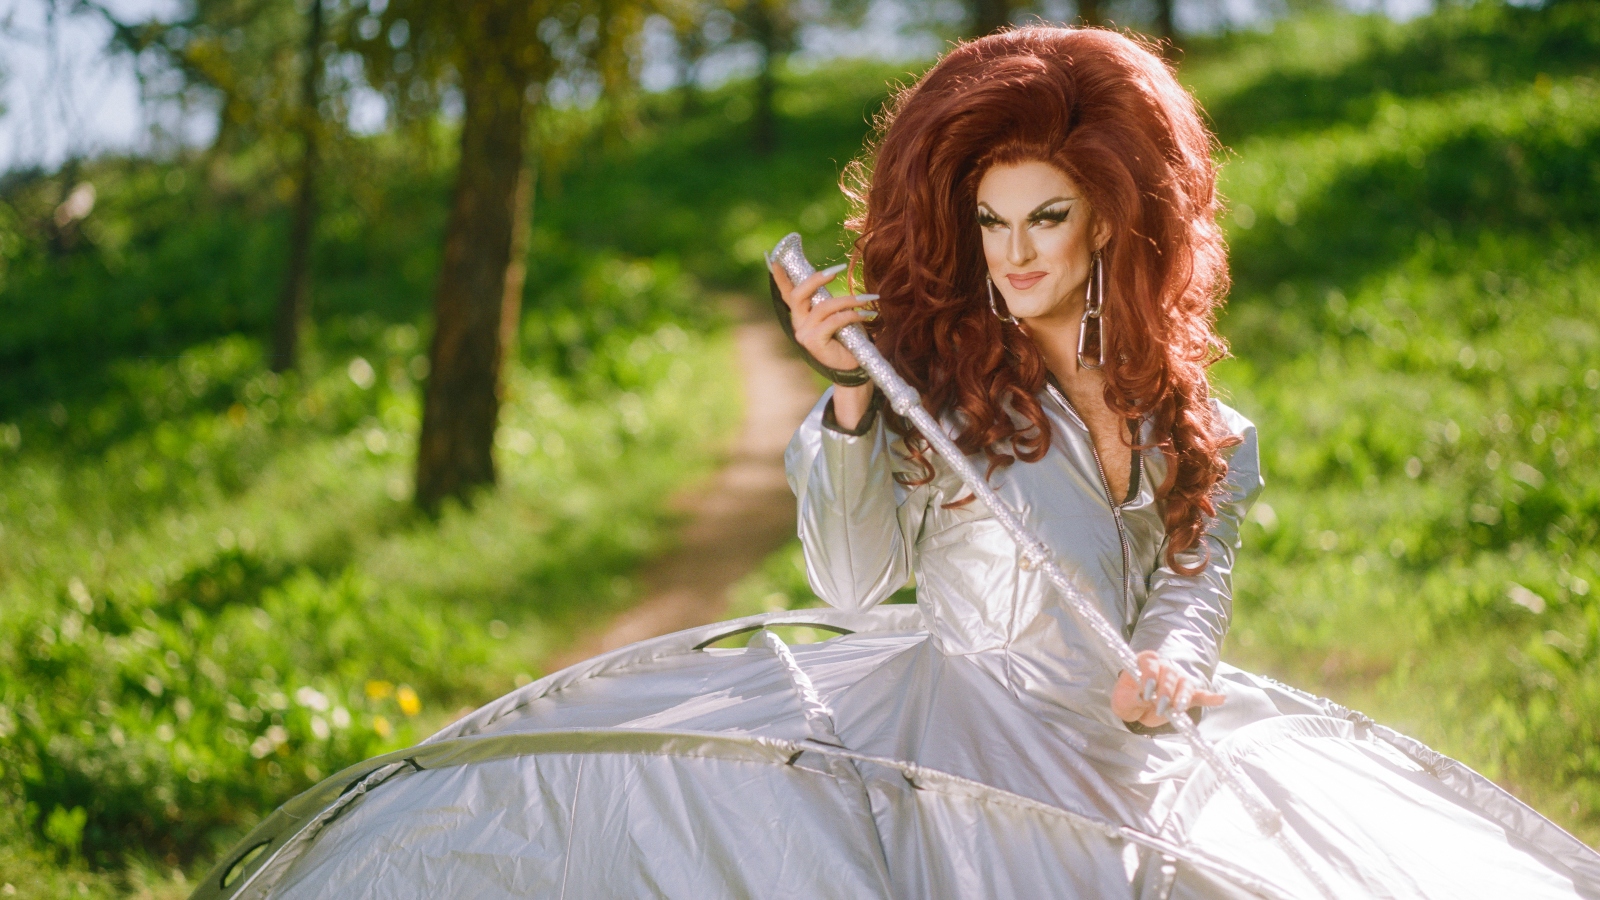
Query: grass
1417	282
212	590
1417	271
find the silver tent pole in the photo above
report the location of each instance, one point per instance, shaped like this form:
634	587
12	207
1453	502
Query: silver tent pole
905	401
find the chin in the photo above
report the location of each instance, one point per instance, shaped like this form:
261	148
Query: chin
1033	308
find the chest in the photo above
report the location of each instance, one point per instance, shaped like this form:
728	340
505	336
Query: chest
1109	435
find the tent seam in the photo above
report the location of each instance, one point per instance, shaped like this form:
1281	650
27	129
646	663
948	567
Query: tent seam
572	820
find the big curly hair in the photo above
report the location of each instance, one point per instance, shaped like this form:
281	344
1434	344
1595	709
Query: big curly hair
1110	114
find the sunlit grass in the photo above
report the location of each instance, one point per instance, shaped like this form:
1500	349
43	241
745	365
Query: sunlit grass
214	590
1413	212
1413	224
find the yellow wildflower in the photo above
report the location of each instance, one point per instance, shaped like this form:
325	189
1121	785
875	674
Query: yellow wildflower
410	703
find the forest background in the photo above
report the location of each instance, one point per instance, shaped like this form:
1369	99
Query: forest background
218	580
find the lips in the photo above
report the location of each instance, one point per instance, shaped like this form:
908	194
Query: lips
1024	281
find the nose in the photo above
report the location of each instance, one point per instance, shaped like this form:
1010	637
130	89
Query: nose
1019	247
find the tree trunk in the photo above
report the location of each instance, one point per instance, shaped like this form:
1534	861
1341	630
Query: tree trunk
764	122
691	50
479	293
1164	27
294	298
989	16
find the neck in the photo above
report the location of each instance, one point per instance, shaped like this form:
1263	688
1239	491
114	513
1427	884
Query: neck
1056	336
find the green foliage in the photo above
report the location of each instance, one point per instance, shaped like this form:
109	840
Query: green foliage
202	563
214	590
691	186
1413	225
1413	214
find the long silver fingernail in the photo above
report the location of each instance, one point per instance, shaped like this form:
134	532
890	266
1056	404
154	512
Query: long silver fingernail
1162	706
835	270
866	298
867	314
1149	690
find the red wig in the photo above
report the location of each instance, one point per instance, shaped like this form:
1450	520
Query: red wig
1109	113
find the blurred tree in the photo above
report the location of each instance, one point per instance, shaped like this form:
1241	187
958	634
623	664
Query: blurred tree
988	16
479	293
1163	25
294	299
261	63
773	26
501	58
698	28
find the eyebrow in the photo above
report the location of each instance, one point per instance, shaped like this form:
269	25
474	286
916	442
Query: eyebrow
984	207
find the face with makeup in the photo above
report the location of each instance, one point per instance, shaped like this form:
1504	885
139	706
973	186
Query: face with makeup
1038	235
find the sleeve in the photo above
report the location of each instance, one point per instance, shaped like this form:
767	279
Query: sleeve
1186	616
852	514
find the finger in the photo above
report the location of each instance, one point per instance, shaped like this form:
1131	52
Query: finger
1168	687
800	297
1125	690
1182	699
1171	686
867	305
828	327
1206	698
1150	669
848	301
781	276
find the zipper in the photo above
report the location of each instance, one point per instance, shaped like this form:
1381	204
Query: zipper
1116	508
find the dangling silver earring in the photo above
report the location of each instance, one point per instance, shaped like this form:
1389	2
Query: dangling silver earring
994	307
1094	302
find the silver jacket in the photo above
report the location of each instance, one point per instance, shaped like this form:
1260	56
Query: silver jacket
866	534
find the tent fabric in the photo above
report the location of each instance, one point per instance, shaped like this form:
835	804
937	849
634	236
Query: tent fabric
872	765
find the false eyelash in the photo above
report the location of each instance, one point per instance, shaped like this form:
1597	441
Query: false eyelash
1056	217
988	221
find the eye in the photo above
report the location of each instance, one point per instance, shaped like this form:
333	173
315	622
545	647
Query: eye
1050	217
986	220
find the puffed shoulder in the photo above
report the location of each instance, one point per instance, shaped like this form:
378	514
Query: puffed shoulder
1245	481
819	427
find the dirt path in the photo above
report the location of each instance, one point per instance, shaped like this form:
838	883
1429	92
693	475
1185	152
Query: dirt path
735	518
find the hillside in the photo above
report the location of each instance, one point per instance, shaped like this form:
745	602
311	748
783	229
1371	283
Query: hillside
213	590
1416	264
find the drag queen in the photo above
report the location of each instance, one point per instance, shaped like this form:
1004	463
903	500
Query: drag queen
1036	226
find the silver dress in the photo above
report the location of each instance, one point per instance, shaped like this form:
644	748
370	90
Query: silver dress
961	747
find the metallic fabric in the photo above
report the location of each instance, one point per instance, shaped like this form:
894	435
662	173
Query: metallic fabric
960	747
1036	554
876	765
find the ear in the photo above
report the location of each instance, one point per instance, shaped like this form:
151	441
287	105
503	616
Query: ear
1102	233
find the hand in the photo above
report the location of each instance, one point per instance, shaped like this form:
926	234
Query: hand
816	326
1161	688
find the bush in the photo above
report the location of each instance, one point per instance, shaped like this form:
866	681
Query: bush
1413	226
215	590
